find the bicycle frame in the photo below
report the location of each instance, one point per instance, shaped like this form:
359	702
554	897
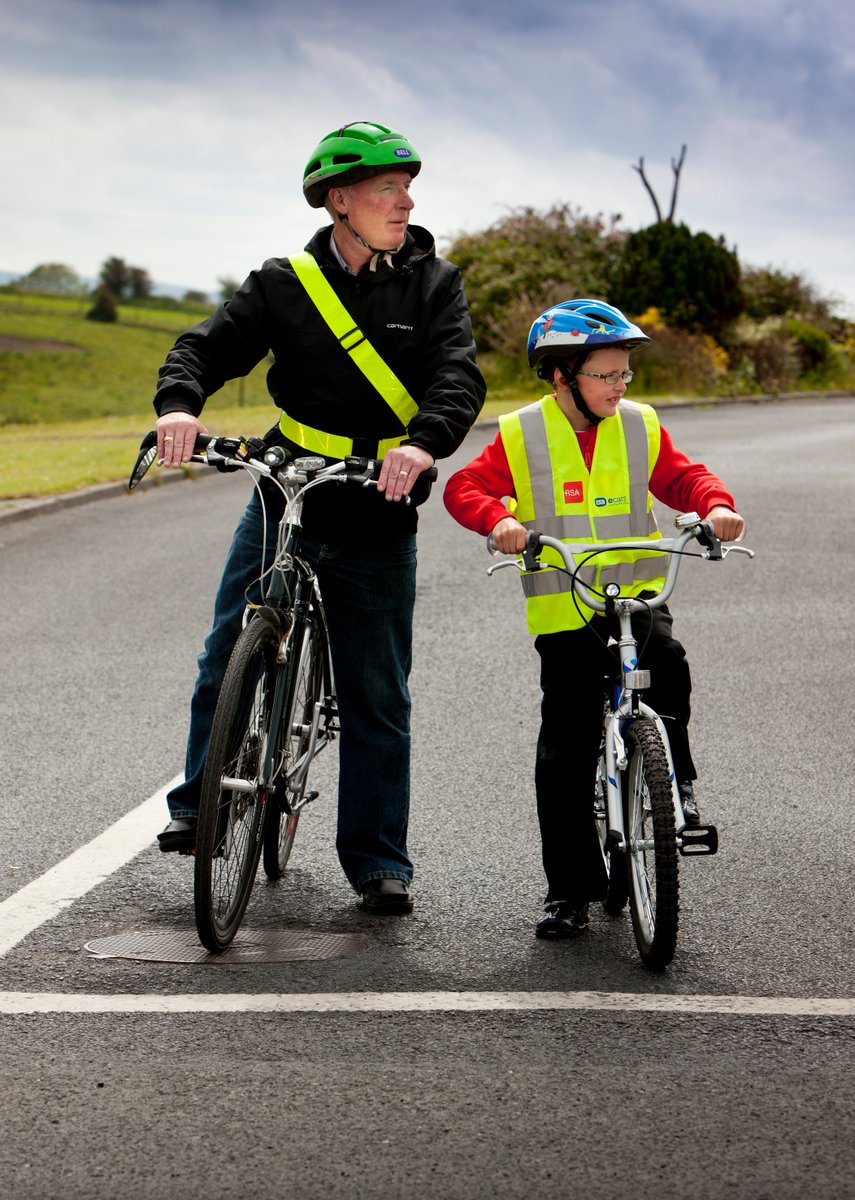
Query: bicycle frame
291	599
277	707
626	706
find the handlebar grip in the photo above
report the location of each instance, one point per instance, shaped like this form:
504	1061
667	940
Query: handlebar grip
360	466
528	554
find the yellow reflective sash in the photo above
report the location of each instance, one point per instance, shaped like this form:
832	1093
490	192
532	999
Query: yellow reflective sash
331	445
352	339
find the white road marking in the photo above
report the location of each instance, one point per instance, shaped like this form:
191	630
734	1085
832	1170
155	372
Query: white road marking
397	1002
45	897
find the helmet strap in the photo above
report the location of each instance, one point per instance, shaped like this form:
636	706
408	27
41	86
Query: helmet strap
569	372
384	253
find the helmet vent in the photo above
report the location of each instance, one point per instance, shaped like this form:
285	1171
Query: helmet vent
595	324
338	159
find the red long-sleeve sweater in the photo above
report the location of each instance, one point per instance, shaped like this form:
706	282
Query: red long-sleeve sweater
473	495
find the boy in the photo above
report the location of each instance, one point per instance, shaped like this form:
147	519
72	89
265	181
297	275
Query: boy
588	464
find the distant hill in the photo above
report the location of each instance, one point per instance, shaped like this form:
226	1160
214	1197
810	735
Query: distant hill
175	290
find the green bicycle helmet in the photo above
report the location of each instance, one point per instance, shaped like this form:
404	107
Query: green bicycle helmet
357	151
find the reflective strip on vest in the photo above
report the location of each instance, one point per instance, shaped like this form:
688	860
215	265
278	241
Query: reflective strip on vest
622	462
551	583
354	342
638	523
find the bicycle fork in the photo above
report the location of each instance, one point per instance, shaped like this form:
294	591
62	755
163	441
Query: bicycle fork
701	839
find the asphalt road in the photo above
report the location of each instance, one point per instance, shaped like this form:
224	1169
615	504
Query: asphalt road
105	607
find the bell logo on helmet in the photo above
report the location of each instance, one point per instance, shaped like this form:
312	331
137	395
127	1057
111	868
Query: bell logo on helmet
403	152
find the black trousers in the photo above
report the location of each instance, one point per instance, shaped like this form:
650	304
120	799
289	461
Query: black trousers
574	665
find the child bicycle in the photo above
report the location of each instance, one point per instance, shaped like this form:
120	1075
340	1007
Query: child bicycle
637	810
277	707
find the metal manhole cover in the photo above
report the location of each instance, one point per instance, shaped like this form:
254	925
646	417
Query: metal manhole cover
249	946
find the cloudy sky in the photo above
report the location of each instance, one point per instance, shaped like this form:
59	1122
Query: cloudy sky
174	133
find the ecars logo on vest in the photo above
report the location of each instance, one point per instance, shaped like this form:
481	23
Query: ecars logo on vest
574	493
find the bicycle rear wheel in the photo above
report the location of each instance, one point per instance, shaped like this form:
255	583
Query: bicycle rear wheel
306	690
652	854
233	806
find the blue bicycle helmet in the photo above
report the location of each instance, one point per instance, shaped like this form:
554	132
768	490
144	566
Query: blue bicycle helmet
580	326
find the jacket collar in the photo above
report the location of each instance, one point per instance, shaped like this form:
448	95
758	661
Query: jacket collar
418	245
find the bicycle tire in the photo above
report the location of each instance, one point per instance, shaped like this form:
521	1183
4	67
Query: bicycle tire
228	843
280	828
652	854
614	860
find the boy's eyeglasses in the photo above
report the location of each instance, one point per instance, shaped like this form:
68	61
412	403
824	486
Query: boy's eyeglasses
613	377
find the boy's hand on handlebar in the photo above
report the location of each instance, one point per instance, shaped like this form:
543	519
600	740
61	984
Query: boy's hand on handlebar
729	526
401	468
510	536
176	437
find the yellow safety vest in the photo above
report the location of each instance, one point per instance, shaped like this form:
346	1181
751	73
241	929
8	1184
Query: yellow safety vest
556	494
354	342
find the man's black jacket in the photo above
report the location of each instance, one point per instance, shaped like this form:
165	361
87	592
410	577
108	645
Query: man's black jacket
415	315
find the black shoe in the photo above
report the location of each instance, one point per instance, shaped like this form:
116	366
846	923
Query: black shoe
386	897
179	835
690	804
562	919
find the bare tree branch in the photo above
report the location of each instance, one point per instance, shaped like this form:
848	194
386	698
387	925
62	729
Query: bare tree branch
676	167
650	191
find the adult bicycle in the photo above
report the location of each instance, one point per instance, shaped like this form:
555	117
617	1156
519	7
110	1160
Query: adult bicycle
277	707
637	811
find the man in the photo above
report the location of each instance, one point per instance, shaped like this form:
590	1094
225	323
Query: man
411	310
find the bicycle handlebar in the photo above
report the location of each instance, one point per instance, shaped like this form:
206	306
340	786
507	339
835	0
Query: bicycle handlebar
230	453
691	527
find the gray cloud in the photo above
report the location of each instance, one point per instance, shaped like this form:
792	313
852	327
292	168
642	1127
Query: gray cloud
174	132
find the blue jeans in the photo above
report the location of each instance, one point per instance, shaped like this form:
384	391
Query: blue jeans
368	593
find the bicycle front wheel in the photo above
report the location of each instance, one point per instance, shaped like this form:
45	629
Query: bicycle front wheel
233	806
652	854
306	691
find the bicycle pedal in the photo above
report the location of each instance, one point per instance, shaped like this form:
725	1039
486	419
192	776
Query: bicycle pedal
698	839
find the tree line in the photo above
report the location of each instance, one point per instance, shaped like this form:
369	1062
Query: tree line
717	325
117	281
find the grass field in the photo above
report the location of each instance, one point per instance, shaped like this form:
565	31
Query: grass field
75	395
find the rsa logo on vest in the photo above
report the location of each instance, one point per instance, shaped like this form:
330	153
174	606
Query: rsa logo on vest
574	493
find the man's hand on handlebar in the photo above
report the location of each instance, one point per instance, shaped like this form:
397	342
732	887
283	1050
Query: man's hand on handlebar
176	437
401	468
510	536
729	526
